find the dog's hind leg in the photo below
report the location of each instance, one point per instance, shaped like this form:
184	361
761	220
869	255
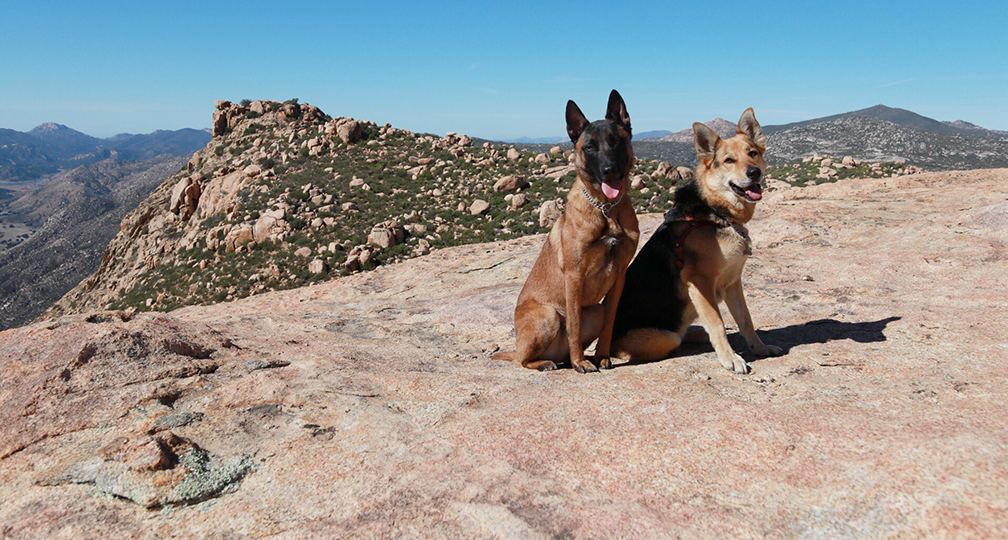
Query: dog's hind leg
696	334
558	349
646	344
537	329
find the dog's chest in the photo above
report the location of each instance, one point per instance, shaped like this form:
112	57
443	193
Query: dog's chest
603	259
736	248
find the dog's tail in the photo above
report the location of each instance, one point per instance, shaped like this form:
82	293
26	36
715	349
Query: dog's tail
506	356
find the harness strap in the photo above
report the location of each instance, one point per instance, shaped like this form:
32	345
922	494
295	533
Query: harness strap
679	241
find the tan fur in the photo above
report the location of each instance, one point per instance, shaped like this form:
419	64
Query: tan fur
583	261
714	257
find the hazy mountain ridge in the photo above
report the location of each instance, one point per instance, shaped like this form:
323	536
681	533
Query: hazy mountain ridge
52	147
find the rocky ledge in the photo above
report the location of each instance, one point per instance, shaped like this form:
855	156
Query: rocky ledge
369	406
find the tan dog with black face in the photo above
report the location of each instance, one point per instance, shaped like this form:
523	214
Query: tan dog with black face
586	253
694	260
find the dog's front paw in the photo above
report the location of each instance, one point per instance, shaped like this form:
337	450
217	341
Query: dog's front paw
605	363
768	350
735	363
584	366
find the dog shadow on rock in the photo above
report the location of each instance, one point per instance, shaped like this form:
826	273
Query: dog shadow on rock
818	331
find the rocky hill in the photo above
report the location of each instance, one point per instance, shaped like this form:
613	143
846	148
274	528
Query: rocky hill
878	134
285	195
63	226
900	117
878	140
720	126
369	406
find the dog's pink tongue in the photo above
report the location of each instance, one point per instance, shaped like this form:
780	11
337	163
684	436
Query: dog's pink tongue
611	188
754	192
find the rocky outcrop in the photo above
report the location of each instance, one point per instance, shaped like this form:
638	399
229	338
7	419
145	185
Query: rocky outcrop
279	177
185	196
369	405
387	234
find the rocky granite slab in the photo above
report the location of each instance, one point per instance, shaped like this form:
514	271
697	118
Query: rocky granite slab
369	406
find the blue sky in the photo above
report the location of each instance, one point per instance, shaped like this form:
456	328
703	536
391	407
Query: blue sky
498	70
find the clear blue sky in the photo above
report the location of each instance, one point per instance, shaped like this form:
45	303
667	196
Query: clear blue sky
498	70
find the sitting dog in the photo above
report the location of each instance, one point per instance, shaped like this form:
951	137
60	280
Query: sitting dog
586	253
694	259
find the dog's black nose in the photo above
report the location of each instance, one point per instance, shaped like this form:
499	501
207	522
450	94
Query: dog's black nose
609	169
754	173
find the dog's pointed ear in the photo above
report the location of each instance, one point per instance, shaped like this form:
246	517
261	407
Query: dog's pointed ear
747	125
616	110
576	121
705	141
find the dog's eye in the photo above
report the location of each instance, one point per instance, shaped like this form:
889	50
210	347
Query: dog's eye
590	147
753	153
728	161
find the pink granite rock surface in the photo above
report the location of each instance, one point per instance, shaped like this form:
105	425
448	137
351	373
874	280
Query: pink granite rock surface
369	406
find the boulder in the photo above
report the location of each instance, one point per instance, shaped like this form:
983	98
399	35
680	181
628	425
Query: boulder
269	225
348	130
479	206
317	266
289	111
239	236
549	212
510	183
387	234
663	168
513	154
685	173
185	196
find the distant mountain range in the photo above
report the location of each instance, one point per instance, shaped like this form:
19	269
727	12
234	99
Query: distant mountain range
900	117
877	133
51	147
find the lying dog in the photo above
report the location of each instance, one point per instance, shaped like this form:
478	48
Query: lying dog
695	258
586	253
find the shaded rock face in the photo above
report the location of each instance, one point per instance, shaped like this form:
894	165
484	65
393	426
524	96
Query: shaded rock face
369	406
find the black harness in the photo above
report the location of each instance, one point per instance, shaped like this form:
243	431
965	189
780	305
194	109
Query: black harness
689	208
678	240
